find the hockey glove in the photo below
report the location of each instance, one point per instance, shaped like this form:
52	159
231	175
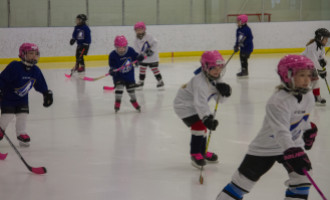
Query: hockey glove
72	41
112	72
140	57
322	73
48	98
296	160
224	89
149	52
236	48
323	62
309	136
210	122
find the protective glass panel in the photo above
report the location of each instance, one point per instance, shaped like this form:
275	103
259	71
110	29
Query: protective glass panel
64	12
31	13
105	12
145	10
3	13
174	11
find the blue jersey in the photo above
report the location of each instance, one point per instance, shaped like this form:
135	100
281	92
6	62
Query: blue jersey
126	74
244	32
82	34
16	82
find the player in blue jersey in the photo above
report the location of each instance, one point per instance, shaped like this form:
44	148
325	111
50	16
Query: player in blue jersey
122	70
82	35
16	80
243	43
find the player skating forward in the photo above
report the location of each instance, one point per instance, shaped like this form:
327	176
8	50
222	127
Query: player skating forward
147	44
315	51
243	43
285	132
191	105
16	80
82	35
123	55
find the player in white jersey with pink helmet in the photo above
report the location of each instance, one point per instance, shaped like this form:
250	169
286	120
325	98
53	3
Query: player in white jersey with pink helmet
147	44
315	51
191	105
285	133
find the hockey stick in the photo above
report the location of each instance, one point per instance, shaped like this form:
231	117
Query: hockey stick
230	58
201	179
36	170
326	82
327	51
108	88
3	156
115	70
314	184
74	67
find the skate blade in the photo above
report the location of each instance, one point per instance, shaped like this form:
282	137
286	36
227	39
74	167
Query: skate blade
24	144
195	165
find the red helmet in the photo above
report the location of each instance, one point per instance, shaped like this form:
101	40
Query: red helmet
24	48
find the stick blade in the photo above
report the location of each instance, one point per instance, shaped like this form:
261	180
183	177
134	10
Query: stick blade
3	156
88	79
201	179
67	75
39	170
108	88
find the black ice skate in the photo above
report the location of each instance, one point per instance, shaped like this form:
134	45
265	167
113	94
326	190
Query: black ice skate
320	101
24	140
197	160
139	85
211	157
242	74
160	84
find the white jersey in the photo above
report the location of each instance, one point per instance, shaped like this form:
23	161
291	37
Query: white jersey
283	125
315	54
148	41
192	98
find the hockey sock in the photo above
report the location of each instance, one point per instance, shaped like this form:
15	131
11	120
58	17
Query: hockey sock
21	119
131	93
142	75
234	191
196	144
203	149
156	72
119	92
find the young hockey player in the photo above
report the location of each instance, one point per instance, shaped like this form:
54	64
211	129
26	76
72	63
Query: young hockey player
285	132
82	35
243	43
191	105
16	80
122	70
147	44
315	51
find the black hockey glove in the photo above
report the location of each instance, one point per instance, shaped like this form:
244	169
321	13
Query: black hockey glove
112	72
309	136
322	73
296	160
48	98
210	122
140	57
236	48
72	41
224	89
323	62
149	52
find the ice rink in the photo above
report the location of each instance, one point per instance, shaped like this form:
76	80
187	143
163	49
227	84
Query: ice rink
91	153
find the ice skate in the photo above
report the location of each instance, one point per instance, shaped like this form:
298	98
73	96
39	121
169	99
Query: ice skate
211	157
319	101
197	160
139	85
117	106
81	71
160	84
24	140
242	74
136	105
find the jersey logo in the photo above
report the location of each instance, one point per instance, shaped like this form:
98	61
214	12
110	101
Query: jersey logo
212	95
81	35
295	124
145	46
24	90
128	66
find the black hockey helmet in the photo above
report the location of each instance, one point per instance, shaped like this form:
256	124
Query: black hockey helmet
83	17
321	33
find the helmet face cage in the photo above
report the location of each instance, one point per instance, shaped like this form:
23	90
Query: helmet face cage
24	49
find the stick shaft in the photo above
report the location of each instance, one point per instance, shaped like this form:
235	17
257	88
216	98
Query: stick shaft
314	184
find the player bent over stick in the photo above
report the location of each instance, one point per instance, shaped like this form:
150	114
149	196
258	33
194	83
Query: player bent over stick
191	105
285	133
16	80
122	71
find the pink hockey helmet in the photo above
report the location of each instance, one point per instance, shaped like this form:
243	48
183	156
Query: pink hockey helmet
211	59
291	64
120	41
141	25
24	48
242	18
